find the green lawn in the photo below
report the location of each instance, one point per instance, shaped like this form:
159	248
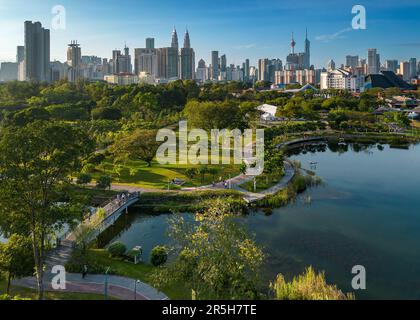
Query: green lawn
28	293
137	173
140	271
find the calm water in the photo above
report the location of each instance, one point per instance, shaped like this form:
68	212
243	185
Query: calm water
367	212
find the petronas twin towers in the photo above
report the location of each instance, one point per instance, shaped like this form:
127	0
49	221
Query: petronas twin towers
186	56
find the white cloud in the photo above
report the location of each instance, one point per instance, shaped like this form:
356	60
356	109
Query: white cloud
331	37
245	46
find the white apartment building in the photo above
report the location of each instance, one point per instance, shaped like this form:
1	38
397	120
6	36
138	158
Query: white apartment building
341	79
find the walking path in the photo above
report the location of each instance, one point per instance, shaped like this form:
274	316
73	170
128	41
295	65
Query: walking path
118	287
289	173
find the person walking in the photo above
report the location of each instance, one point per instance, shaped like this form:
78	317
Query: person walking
84	271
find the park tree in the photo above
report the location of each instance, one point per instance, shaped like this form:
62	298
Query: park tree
308	286
138	145
218	259
16	258
36	164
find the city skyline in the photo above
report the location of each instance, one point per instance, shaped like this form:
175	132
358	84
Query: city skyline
239	40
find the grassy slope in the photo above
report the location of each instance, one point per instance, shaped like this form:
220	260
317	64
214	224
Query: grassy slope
141	272
157	176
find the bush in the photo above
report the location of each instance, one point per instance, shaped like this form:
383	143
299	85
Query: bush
96	159
117	249
84	178
104	182
158	256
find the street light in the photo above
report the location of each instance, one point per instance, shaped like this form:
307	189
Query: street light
106	283
135	289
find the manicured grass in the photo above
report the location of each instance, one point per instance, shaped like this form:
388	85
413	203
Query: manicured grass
140	271
137	173
28	293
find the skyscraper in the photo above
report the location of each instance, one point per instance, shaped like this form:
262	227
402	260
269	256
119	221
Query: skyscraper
20	54
307	58
150	43
373	62
202	71
215	65
352	61
187	59
145	60
263	69
121	62
174	43
413	68
74	57
115	55
391	65
246	70
405	70
37	52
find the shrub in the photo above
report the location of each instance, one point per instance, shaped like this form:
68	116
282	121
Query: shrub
84	178
117	249
158	256
104	182
308	286
96	159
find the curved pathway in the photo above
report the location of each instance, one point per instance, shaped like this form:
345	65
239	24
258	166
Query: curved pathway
118	287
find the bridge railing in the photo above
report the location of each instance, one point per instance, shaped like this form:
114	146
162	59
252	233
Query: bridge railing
109	207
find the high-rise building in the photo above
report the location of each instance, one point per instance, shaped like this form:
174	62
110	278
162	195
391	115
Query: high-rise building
150	43
20	54
413	68
214	65
167	63
37	52
174	43
352	61
115	55
405	70
307	57
8	71
391	65
246	70
374	62
263	70
74	60
145	60
121	63
202	74
187	59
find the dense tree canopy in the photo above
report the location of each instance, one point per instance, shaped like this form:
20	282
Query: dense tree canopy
36	162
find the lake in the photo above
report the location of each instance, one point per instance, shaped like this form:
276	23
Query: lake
366	212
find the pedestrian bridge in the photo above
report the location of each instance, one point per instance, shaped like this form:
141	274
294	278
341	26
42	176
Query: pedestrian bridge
105	216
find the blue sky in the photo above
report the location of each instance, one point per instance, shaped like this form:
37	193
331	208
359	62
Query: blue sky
241	29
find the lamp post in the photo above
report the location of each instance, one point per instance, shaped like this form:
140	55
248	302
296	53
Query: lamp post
135	289
106	283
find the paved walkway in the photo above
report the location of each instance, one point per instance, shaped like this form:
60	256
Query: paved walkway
118	287
289	173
